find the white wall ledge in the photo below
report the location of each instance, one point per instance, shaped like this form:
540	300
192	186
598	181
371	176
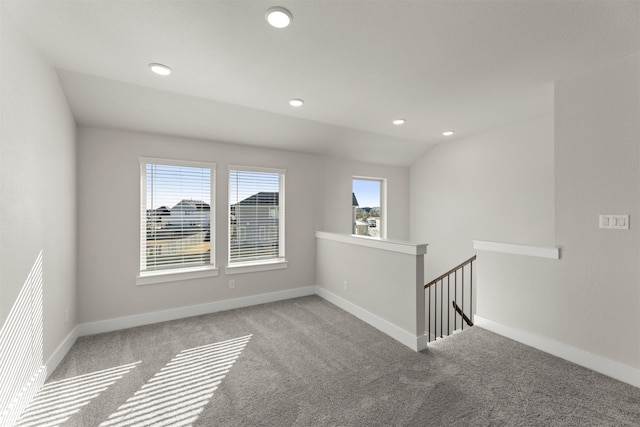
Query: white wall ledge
517	249
400	246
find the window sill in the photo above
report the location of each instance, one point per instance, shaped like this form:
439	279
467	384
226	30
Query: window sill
163	276
254	266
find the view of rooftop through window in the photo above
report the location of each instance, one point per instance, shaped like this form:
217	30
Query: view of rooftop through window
168	185
367	207
255	217
178	216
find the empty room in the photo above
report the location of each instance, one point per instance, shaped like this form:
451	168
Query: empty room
319	213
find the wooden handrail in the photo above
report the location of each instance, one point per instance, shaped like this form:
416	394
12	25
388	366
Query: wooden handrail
436	280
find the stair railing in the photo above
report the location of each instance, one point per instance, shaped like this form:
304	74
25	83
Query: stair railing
456	278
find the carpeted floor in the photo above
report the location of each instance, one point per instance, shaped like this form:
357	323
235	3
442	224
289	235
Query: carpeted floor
305	362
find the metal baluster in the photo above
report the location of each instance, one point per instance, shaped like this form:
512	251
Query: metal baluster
462	321
458	308
435	313
471	292
441	306
455	297
429	328
448	306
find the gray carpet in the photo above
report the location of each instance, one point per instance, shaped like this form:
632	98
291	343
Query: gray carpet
305	362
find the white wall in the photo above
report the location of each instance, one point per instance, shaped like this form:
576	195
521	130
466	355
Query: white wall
379	281
589	300
493	186
109	192
598	172
384	283
108	219
338	176
37	184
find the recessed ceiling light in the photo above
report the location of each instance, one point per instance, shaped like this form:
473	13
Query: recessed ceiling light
398	122
448	133
278	17
160	69
295	102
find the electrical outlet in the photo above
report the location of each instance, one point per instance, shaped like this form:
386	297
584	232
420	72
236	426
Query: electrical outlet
66	315
346	285
232	284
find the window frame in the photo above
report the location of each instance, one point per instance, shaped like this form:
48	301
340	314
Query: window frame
146	277
383	205
275	263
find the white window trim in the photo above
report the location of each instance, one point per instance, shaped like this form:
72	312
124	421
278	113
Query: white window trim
176	274
255	266
145	277
267	264
383	204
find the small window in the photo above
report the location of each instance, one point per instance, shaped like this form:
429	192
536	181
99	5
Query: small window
176	216
368	207
256	215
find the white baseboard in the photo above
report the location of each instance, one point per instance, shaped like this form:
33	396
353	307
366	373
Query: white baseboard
59	353
422	342
580	357
395	332
109	325
189	311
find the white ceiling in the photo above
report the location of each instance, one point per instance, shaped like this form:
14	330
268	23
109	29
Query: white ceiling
465	65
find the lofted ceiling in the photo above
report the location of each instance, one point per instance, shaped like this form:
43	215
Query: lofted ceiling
469	66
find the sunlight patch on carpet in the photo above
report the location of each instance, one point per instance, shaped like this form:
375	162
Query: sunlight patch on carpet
57	401
177	394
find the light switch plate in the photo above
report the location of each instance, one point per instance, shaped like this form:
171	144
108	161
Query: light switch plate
616	222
